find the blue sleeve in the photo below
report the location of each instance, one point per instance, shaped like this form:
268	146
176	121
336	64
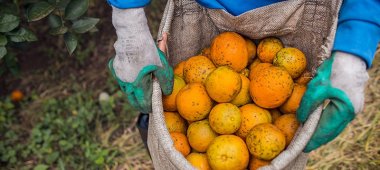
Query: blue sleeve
125	4
358	31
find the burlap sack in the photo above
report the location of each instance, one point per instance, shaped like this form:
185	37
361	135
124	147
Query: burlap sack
309	25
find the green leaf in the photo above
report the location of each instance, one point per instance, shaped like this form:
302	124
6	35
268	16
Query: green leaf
3	52
3	40
8	8
62	4
61	165
58	30
39	10
51	158
41	167
71	42
84	25
55	21
22	35
8	22
76	8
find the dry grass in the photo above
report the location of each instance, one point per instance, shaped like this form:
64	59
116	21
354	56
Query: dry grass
358	147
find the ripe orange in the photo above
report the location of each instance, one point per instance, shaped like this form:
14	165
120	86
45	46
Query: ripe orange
243	96
251	116
270	87
197	68
255	62
257	69
223	84
193	103
169	101
228	152
200	135
251	48
206	52
288	124
174	122
268	48
199	161
265	141
178	69
225	118
275	114
255	163
305	77
16	96
292	59
229	49
180	143
292	104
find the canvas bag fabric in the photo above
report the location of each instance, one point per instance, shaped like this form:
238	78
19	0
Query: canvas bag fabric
309	25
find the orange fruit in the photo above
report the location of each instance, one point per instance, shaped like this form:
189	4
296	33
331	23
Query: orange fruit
292	59
197	68
243	96
251	116
255	62
305	77
288	124
265	141
206	52
225	118
174	122
229	49
180	143
270	87
178	69
251	48
168	101
228	152
255	163
199	161
193	103
16	96
200	135
291	105
223	84
275	114
257	69
268	48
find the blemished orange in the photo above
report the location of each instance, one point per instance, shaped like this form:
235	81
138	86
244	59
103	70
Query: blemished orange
168	101
229	49
206	52
304	78
252	115
255	163
180	143
16	96
193	103
198	160
257	69
271	87
178	69
265	141
255	62
292	59
268	48
228	152
225	118
200	135
243	97
275	114
251	48
288	124
291	105
197	68
174	122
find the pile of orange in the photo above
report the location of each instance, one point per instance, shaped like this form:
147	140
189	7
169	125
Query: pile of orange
233	105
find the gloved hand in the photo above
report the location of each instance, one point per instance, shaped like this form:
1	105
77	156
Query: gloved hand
137	58
340	79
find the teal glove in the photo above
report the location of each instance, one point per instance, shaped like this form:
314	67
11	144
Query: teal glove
139	92
340	111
